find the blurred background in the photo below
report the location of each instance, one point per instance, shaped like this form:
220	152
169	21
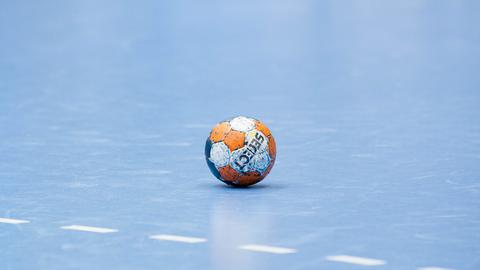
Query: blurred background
105	107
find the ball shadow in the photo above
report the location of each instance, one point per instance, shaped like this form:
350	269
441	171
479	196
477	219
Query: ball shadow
259	186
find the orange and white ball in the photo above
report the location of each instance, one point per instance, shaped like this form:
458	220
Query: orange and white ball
240	151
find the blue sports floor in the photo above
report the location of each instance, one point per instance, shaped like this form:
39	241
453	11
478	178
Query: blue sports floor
105	107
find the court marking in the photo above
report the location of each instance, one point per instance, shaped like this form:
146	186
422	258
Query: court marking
178	238
355	260
13	221
433	268
252	247
84	228
268	249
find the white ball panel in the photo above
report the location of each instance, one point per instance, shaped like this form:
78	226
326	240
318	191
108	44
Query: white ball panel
242	123
260	162
259	137
220	154
235	160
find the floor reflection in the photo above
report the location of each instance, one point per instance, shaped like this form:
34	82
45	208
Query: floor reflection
239	217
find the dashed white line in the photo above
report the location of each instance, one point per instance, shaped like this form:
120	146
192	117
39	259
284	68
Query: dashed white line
13	221
268	249
88	229
178	238
433	268
257	248
355	260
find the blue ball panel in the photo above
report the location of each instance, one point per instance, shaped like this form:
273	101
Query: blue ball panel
211	166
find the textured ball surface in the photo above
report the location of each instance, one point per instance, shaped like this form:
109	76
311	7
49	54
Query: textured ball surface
240	151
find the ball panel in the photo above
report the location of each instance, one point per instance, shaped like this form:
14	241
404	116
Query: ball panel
239	161
248	179
242	123
272	162
208	147
211	166
228	174
272	147
260	162
262	128
219	154
256	141
219	132
234	140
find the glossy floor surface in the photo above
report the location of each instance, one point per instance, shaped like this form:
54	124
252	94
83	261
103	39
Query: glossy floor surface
105	107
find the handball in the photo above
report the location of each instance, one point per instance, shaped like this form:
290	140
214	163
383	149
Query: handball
240	151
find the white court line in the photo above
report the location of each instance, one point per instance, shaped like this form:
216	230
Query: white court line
13	221
178	238
433	268
268	249
355	260
88	229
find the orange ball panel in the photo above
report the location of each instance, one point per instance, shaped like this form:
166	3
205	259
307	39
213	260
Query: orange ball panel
272	162
228	173
248	178
235	140
272	148
219	132
262	128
